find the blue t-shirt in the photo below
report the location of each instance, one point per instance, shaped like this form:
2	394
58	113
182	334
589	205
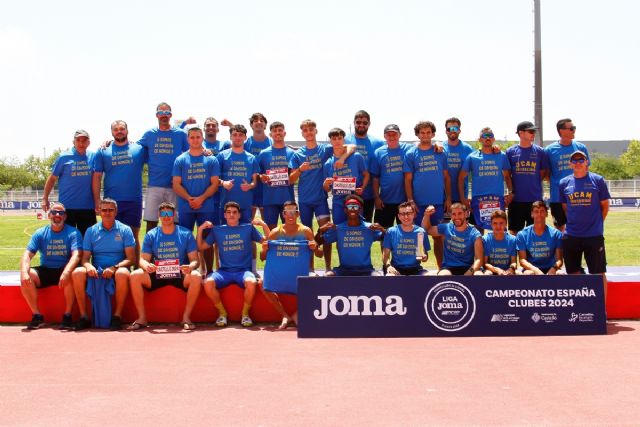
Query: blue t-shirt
366	147
387	165
527	165
163	148
254	147
458	246
541	250
354	245
286	261
74	172
55	247
427	168
217	146
176	245
275	158
237	167
403	245
122	168
107	246
559	156
456	155
486	173
499	252
234	245
354	166
583	197
310	181
196	173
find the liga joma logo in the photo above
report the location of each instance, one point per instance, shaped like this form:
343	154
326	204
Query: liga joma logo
450	306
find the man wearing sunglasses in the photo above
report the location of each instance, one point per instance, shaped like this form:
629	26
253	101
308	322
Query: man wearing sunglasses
169	257
457	151
59	245
489	172
529	166
353	239
73	172
108	245
585	199
558	154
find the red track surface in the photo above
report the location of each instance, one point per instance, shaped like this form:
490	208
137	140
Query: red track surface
163	376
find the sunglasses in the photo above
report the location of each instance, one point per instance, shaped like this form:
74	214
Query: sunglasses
453	129
353	207
166	214
487	135
291	212
580	160
108	210
56	212
405	213
572	128
163	113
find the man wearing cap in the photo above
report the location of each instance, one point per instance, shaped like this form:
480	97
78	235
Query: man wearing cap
388	178
540	246
585	199
353	239
72	170
59	246
529	166
558	154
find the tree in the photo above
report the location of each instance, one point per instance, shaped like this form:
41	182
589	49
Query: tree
631	158
608	166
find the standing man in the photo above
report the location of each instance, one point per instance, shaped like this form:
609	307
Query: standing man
211	142
163	145
108	245
427	181
457	152
73	169
121	164
407	243
257	142
59	246
366	146
489	172
558	154
169	257
585	200
529	166
539	246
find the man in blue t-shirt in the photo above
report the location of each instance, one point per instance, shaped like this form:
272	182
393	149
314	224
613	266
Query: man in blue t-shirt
214	146
257	142
163	145
406	243
353	239
235	248
426	180
169	257
121	164
540	246
489	172
110	246
529	167
72	170
463	254
457	151
585	199
59	246
558	154
499	248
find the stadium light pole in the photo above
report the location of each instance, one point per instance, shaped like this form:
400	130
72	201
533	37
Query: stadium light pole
537	73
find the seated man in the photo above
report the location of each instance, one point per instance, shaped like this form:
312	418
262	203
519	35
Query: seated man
354	239
499	248
169	257
540	246
290	231
235	254
407	243
108	245
463	253
59	245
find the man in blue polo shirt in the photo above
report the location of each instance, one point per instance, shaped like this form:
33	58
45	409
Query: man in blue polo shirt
406	243
73	170
59	246
539	246
110	246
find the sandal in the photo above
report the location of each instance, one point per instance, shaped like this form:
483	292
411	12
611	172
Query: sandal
136	326
188	326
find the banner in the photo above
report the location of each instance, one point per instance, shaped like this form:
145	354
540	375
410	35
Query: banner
414	306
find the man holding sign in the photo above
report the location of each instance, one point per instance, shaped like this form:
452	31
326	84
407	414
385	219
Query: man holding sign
169	257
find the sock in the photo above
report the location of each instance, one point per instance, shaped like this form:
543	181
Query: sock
221	310
253	266
245	309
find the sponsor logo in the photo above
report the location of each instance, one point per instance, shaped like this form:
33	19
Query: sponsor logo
450	306
359	305
582	317
544	317
510	318
536	317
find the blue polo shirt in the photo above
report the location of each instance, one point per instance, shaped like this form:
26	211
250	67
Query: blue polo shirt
122	168
74	172
55	247
107	246
176	245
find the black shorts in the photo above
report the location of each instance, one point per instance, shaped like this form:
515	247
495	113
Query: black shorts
559	217
593	250
48	276
519	214
387	215
457	271
161	283
410	271
81	219
447	215
367	209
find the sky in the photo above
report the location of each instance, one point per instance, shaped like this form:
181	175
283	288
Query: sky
70	65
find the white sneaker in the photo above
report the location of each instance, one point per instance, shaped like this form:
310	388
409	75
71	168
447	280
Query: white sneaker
221	321
246	321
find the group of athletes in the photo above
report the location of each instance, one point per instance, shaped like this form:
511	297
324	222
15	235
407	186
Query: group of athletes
194	178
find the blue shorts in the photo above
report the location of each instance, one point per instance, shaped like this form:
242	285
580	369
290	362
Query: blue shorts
257	195
436	217
130	213
482	208
337	211
189	219
225	278
272	213
307	210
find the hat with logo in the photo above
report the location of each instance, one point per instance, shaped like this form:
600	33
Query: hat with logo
391	128
526	126
80	132
578	153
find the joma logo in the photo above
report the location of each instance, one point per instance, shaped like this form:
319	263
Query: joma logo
359	306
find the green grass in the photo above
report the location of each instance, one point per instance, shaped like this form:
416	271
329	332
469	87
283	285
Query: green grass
620	229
